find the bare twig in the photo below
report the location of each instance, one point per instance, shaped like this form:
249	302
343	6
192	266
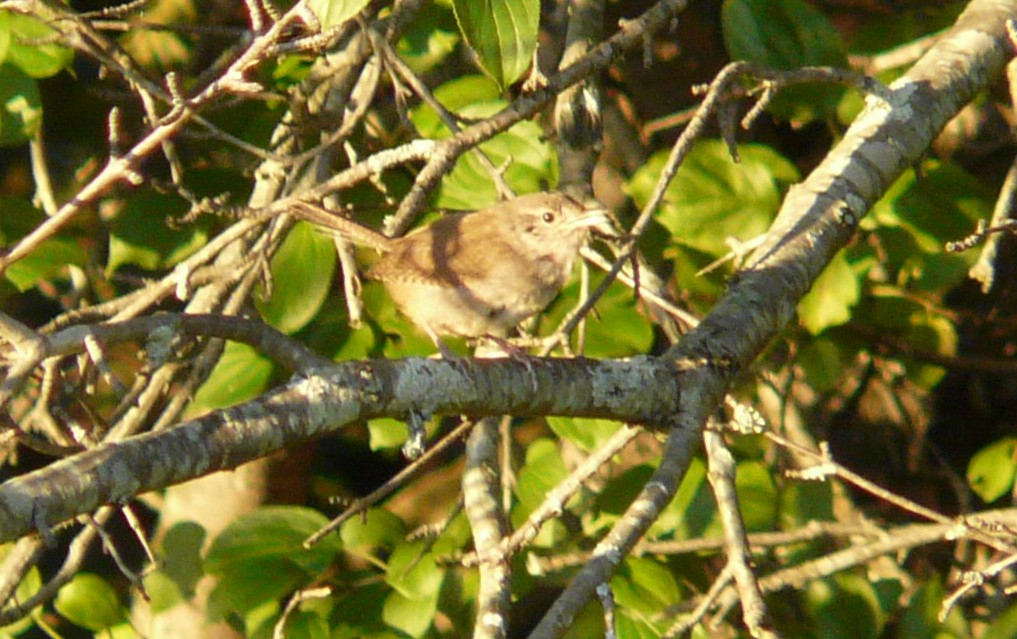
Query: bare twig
483	509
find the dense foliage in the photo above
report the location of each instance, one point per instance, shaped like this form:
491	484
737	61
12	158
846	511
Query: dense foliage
133	143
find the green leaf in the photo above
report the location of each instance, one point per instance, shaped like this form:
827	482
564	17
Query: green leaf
89	601
833	295
49	259
375	529
920	618
272	532
358	614
823	361
1004	625
943	205
802	502
413	572
757	495
784	35
243	589
181	546
844	607
587	433
28	586
429	38
121	631
645	587
412	616
689	514
878	35
302	272
693	510
629	626
502	33
303	624
930	331
464	92
268	541
335	12
993	469
531	162
541	472
386	432
887	308
141	233
241	374
23	45
163	592
617	328
712	198
20	106
359	343
5	35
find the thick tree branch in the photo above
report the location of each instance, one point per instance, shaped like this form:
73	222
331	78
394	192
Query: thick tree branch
639	390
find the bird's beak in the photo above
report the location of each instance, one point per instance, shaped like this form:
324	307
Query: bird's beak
599	220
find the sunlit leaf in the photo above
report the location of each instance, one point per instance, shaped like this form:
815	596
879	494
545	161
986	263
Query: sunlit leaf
757	495
542	471
20	106
89	601
712	198
502	33
386	432
163	592
412	616
334	12
413	572
27	44
268	541
240	374
943	205
616	328
269	532
589	434
833	295
377	528
302	271
645	585
529	159
992	470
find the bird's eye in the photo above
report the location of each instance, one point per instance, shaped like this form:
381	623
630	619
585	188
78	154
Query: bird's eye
548	217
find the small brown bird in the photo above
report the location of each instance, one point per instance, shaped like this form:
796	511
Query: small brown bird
480	273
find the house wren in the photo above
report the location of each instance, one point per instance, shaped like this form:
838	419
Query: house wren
480	273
